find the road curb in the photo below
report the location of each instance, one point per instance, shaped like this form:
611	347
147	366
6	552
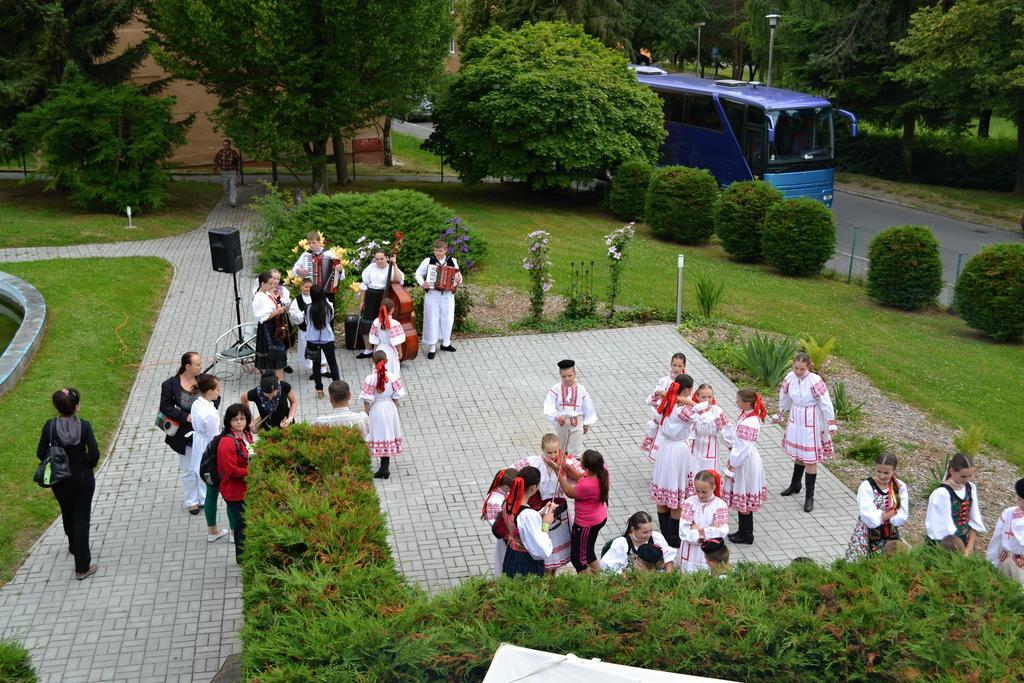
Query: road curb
905	205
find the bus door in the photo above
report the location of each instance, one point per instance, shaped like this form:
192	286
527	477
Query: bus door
735	116
755	140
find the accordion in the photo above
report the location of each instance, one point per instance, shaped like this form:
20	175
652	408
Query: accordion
322	272
442	278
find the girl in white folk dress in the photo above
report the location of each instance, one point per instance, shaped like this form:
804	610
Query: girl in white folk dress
297	315
812	422
676	367
672	479
954	508
386	334
1006	549
883	507
708	422
549	491
621	553
380	397
493	502
745	490
206	425
704	516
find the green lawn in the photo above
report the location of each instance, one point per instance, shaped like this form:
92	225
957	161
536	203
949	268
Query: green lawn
98	324
33	218
931	360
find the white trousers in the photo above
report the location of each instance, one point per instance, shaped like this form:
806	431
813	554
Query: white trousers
229	181
302	353
438	317
193	486
570	438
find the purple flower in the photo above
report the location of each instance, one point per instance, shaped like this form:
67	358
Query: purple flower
469	264
465	249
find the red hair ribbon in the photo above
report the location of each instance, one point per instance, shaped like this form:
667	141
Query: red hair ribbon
515	496
718	483
759	408
382	374
382	318
668	401
494	484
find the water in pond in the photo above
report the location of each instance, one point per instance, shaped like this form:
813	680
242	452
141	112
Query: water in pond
8	326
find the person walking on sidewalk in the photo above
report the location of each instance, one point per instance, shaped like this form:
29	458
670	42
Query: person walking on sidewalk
228	162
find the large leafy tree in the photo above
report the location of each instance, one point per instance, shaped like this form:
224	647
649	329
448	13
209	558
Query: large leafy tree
43	41
606	20
547	104
977	46
303	71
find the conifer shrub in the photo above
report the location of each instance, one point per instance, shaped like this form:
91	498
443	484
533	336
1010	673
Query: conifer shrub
739	217
990	292
680	204
628	191
799	236
323	600
906	268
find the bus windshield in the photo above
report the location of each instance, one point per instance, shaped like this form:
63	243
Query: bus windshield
803	137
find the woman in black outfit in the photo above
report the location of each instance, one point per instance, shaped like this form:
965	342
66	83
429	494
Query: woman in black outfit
74	495
177	394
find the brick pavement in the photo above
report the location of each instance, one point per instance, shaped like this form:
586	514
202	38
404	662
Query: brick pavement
166	605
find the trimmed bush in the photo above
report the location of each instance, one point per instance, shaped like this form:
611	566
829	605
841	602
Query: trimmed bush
323	600
628	192
990	292
799	236
739	217
344	218
680	204
15	663
906	269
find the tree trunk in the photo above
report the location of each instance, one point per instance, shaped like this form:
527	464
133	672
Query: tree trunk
340	159
316	151
907	143
1018	184
389	159
984	122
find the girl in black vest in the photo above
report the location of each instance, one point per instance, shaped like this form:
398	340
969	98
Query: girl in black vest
526	529
74	495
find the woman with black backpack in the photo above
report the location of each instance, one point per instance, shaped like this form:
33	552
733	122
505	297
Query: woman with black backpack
233	468
74	495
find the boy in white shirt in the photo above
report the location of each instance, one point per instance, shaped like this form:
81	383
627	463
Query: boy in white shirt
569	408
438	306
341	415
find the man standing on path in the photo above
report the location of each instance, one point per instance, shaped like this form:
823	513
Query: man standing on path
226	161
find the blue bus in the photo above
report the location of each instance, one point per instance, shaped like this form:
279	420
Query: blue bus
741	130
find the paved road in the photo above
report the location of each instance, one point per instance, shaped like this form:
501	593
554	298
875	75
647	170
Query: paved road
417	130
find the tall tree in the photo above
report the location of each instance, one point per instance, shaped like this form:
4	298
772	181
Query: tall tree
303	70
603	19
45	40
977	45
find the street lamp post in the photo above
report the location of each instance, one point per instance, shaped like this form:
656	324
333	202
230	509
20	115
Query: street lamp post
773	21
699	25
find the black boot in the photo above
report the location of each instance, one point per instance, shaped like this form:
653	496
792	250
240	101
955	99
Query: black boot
383	472
809	500
794	484
672	533
745	535
663	523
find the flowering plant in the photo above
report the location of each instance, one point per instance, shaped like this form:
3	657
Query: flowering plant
365	249
538	264
458	238
618	242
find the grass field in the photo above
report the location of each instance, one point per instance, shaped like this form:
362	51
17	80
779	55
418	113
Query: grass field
95	336
931	360
33	218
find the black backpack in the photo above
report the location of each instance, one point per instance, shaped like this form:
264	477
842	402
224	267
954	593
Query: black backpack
208	470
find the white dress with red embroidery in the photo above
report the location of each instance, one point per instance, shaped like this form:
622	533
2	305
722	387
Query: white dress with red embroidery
745	488
492	508
653	401
1006	549
385	437
388	341
708	422
672	478
712	518
808	439
549	489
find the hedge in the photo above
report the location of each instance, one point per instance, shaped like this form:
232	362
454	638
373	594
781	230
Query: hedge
323	600
799	236
970	162
15	663
628	191
905	267
344	218
739	217
990	292
680	204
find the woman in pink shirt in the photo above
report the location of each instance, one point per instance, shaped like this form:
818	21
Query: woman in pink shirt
590	492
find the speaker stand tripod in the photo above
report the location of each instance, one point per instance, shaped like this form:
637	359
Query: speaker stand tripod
241	349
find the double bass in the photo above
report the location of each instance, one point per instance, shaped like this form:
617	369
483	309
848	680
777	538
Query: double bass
404	312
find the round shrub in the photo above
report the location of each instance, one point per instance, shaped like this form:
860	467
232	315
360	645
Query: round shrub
628	192
739	217
680	204
990	292
344	218
906	269
799	236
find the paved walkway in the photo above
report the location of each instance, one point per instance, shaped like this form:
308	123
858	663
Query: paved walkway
166	605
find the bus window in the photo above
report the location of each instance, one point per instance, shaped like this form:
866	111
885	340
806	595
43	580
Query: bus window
755	116
734	115
802	136
701	112
672	106
753	149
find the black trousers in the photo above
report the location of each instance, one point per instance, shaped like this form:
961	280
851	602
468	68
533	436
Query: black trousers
332	363
236	516
581	545
75	499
